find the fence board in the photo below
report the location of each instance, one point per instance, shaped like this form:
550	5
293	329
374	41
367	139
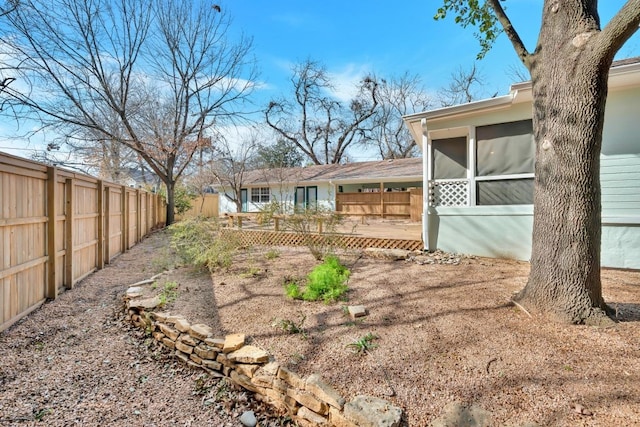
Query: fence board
387	203
56	228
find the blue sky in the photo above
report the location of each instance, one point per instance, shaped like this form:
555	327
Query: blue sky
355	37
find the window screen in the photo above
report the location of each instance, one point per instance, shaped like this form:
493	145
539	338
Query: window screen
449	158
505	192
505	149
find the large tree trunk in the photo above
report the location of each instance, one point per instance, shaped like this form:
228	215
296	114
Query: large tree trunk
171	202
569	95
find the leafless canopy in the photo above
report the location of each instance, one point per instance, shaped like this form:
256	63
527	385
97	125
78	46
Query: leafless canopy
398	96
153	75
317	122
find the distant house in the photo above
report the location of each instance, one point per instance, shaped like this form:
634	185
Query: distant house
479	169
323	185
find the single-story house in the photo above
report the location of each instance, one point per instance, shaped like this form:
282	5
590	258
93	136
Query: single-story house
325	186
478	163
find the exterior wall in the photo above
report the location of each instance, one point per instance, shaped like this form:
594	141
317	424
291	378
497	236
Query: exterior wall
284	194
505	231
491	231
225	205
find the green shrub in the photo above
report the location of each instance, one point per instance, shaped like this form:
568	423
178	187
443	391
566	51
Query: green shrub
292	290
200	242
327	281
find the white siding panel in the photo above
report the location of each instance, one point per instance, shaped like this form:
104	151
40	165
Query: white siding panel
620	178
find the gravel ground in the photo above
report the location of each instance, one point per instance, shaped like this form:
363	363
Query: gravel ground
75	361
446	333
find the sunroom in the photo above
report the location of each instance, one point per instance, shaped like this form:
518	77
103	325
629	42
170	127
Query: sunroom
478	169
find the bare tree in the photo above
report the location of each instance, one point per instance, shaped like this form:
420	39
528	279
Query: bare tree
461	88
318	123
166	70
398	96
229	165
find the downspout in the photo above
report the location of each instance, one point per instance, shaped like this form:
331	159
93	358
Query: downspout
426	161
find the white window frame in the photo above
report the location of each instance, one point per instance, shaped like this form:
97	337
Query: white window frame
260	195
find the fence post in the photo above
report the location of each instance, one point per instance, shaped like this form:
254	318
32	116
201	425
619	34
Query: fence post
382	200
68	238
125	220
138	215
100	260
107	224
52	178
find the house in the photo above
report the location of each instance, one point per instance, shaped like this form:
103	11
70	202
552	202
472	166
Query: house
478	162
327	186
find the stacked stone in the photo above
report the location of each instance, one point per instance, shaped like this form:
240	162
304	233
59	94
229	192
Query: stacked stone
310	401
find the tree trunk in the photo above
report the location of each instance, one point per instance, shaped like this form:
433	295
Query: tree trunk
171	202
569	95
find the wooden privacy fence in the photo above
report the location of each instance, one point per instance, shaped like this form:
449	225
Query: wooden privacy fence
57	227
205	206
405	204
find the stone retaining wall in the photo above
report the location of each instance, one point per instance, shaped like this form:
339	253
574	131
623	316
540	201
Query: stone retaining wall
310	401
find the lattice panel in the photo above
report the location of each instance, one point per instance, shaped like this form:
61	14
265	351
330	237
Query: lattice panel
449	193
280	238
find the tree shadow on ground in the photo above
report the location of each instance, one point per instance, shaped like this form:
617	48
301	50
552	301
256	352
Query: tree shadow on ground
625	312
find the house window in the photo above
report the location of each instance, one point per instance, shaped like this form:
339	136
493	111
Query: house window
450	158
260	195
505	154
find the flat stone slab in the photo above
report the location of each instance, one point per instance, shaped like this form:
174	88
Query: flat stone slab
249	354
134	292
368	411
457	414
233	342
390	254
200	331
147	303
356	311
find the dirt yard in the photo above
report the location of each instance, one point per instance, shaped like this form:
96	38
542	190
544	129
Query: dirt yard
446	333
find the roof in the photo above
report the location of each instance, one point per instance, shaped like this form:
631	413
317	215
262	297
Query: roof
394	170
623	73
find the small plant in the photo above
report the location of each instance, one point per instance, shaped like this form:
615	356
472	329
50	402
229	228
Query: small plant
293	327
201	242
272	254
40	414
169	293
363	344
327	281
251	272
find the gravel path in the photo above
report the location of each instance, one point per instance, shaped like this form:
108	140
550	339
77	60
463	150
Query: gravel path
75	362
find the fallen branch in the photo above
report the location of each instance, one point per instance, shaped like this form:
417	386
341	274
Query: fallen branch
521	308
142	282
495	359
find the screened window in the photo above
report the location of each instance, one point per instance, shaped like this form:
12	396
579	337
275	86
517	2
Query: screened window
505	155
450	158
260	195
505	149
505	192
